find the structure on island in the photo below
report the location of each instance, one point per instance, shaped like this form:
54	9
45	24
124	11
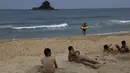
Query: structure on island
45	6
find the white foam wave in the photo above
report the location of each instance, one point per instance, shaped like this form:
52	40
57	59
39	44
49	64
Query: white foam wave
120	32
95	26
121	21
6	26
42	26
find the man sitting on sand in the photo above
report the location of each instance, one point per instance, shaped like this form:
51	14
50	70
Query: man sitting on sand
124	48
76	57
48	63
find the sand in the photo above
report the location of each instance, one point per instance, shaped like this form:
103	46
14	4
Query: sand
23	56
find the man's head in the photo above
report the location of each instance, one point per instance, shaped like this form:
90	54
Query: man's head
123	43
47	52
70	48
84	23
105	47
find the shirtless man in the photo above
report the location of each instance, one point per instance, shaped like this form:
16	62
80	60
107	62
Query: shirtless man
72	53
48	63
107	49
124	48
76	57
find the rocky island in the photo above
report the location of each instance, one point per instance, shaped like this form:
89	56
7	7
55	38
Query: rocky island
45	6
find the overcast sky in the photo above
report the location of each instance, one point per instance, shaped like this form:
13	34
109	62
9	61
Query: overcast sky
64	4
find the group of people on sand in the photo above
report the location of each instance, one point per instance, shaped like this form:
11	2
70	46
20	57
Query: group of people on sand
121	49
49	64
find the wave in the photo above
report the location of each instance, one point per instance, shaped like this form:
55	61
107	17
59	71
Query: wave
5	26
95	26
99	16
109	33
34	27
120	21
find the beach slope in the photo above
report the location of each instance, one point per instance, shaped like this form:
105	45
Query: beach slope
23	56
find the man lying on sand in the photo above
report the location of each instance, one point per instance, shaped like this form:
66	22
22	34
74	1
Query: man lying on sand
76	57
107	49
48	63
124	48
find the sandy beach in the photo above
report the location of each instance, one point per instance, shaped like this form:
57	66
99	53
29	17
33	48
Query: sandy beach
23	56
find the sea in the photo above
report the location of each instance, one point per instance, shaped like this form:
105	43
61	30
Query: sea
24	23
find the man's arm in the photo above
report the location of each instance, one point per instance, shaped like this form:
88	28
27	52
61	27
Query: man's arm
127	49
56	66
69	58
41	61
109	45
77	52
118	47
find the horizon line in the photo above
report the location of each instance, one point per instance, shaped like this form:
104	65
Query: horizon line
67	8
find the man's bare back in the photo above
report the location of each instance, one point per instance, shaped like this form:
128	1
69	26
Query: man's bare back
48	63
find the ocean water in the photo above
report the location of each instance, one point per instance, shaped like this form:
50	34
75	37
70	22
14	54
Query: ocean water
19	24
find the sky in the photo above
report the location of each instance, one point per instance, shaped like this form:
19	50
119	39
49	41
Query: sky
65	4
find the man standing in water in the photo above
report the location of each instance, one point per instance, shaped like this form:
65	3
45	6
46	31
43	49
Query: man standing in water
84	27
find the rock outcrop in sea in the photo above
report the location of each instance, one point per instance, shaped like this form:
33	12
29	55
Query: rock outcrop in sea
45	6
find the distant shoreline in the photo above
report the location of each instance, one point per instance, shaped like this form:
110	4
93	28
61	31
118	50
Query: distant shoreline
87	35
